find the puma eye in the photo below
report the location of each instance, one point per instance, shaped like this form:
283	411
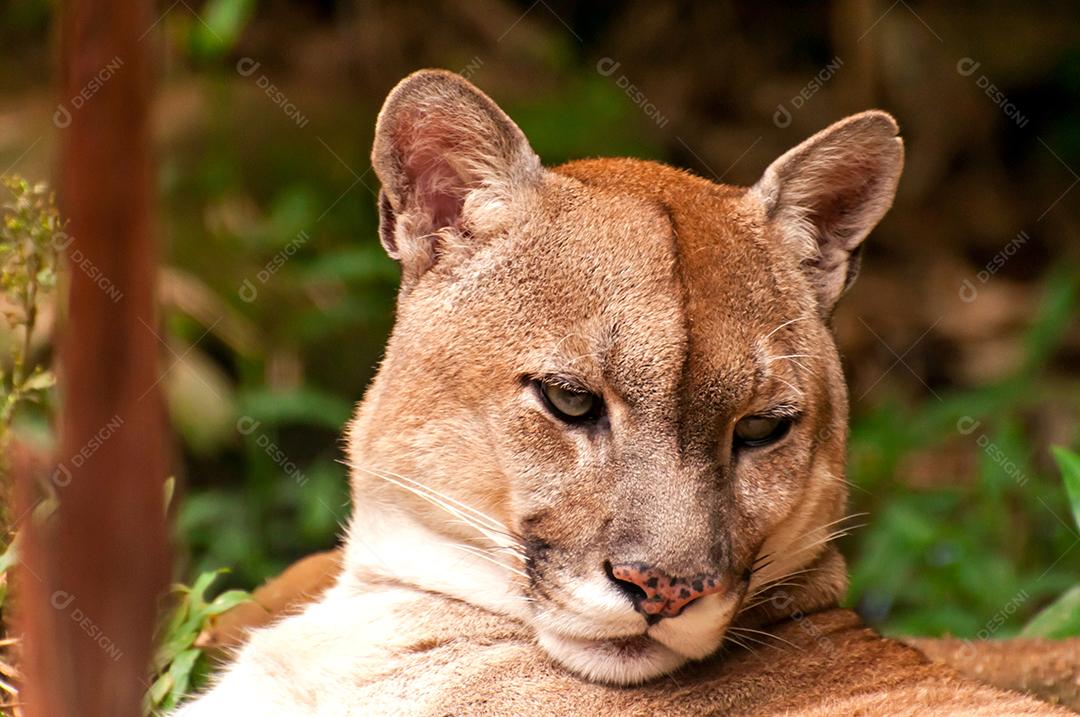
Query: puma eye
752	431
568	404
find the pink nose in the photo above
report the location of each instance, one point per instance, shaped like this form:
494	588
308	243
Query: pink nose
657	594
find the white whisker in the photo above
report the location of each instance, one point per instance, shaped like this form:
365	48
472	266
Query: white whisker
730	638
484	556
798	391
492	522
756	640
774	582
744	630
830	537
786	323
499	537
792	358
814	529
779	581
510	550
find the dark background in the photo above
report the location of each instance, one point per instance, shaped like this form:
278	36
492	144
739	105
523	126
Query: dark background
960	380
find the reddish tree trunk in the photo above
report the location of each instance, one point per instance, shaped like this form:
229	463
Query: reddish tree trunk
93	573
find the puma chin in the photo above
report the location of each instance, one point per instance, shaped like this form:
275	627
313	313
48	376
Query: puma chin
638	652
611	406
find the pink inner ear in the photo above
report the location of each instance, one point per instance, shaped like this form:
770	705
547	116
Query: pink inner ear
436	189
840	211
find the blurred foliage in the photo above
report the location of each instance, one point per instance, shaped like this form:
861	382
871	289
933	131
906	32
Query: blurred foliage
946	559
30	234
222	22
179	667
1061	618
278	298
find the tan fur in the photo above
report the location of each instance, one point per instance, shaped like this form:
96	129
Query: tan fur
474	576
413	653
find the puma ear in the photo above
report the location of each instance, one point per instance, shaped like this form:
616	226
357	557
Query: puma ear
450	162
825	195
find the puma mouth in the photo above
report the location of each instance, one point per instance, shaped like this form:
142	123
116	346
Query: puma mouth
656	650
700	630
630	646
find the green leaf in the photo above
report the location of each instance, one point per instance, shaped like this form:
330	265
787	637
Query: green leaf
178	635
186	621
1058	620
180	673
176	660
168	651
1069	465
226	601
201	585
161	687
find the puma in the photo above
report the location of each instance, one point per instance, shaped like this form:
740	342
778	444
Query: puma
603	461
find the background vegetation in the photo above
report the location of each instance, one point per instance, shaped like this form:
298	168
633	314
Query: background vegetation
278	298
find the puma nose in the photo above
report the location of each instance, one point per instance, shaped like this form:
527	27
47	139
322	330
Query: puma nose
656	594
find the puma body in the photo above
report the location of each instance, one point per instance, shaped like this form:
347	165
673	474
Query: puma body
374	649
602	463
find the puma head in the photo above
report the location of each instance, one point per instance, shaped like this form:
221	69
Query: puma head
611	404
